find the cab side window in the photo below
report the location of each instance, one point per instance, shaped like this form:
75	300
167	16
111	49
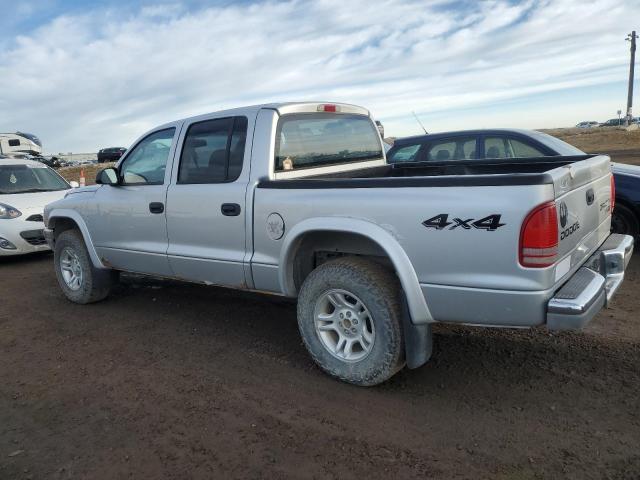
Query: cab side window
147	162
213	151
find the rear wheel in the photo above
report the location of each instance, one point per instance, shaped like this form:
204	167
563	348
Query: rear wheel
624	221
79	280
350	319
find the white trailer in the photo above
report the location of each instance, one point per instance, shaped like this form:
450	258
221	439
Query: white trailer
20	142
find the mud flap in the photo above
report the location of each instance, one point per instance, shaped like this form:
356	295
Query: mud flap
418	340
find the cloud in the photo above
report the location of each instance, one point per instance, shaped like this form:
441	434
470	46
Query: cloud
102	77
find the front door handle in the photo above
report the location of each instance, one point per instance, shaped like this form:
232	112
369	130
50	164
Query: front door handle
230	209
156	207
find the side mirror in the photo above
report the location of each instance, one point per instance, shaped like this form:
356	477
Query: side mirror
74	184
108	176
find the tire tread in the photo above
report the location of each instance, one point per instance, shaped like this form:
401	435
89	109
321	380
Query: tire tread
97	284
383	286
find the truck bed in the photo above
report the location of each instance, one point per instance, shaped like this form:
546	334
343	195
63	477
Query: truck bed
456	264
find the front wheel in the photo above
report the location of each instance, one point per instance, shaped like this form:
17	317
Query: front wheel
79	280
350	319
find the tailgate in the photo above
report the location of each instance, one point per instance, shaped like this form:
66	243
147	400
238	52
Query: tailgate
583	201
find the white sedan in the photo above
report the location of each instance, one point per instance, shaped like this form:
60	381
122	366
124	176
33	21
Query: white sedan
26	187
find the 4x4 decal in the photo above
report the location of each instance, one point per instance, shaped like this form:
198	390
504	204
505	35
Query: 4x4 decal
489	223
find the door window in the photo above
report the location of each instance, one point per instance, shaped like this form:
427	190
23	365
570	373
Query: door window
452	149
524	150
495	147
213	151
147	162
405	154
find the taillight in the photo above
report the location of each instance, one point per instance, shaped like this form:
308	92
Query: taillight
539	237
328	108
613	193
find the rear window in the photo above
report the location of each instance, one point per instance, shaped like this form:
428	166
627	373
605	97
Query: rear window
311	140
563	148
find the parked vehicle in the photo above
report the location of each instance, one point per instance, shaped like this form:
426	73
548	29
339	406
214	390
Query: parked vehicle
514	143
298	200
588	124
20	142
49	161
613	122
626	215
26	186
110	154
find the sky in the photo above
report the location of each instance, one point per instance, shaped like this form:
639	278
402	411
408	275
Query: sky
84	75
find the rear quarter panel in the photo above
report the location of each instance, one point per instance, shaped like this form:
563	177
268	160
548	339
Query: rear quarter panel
456	255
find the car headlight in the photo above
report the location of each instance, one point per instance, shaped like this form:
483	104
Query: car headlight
8	212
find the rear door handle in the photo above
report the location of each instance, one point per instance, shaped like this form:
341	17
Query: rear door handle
230	209
156	207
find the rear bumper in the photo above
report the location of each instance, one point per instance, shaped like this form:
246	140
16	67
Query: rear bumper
592	287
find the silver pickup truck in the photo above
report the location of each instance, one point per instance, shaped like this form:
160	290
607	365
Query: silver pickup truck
297	199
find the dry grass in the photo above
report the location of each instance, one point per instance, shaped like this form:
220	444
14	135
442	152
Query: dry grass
90	172
599	140
621	145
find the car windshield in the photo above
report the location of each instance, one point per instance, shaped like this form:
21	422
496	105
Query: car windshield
557	145
310	140
29	179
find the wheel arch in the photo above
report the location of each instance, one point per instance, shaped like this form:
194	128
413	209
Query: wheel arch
353	236
65	219
630	205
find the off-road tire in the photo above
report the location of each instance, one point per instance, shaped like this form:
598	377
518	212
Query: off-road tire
379	289
96	283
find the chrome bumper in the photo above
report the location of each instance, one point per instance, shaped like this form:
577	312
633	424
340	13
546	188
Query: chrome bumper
592	286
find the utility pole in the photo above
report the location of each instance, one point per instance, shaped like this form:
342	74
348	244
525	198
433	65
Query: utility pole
631	38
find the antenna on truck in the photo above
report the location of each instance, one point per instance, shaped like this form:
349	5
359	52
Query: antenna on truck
420	123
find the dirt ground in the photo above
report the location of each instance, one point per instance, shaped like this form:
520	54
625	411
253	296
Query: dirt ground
90	172
599	140
168	380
